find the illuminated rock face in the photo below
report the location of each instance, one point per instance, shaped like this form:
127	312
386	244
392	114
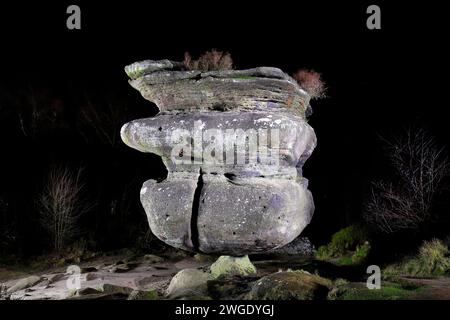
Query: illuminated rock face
234	143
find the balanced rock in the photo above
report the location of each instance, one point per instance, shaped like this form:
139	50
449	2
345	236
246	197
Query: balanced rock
234	143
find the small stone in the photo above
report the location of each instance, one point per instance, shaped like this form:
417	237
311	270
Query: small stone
88	269
115	289
204	257
55	277
230	287
143	295
151	258
232	266
120	268
290	285
91	276
188	282
24	283
87	291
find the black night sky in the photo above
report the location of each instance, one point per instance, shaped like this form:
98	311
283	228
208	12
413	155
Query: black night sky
379	82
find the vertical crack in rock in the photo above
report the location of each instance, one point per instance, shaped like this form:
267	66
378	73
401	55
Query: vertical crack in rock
194	215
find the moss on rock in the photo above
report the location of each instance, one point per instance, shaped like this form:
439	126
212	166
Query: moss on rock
188	282
144	295
227	266
290	285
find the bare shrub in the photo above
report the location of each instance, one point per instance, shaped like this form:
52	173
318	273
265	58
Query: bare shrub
61	204
311	81
189	64
421	167
213	60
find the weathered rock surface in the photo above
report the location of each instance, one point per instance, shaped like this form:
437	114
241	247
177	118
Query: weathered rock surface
150	278
166	83
290	285
227	266
189	282
159	135
234	143
24	283
299	246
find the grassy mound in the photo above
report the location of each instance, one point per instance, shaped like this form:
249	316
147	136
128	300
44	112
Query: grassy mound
388	291
432	259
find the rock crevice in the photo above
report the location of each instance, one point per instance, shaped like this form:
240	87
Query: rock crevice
194	216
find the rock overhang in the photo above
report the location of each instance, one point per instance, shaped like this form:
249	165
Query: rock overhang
257	202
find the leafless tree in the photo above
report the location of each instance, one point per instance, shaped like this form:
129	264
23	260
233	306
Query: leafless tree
421	167
61	204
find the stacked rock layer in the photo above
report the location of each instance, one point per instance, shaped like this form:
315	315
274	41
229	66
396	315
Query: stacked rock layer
234	143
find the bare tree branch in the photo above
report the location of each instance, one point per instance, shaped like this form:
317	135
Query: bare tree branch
421	168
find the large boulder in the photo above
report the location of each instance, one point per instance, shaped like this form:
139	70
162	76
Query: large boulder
234	143
250	215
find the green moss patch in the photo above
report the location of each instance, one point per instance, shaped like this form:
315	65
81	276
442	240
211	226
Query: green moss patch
290	285
388	291
347	246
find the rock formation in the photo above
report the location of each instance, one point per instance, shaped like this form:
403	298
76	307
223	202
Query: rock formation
234	143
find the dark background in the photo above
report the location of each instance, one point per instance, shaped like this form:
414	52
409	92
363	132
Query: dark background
379	82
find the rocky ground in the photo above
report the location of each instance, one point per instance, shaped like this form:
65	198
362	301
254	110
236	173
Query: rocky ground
183	276
120	274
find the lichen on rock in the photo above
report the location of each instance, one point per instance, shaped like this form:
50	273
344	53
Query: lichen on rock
290	285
